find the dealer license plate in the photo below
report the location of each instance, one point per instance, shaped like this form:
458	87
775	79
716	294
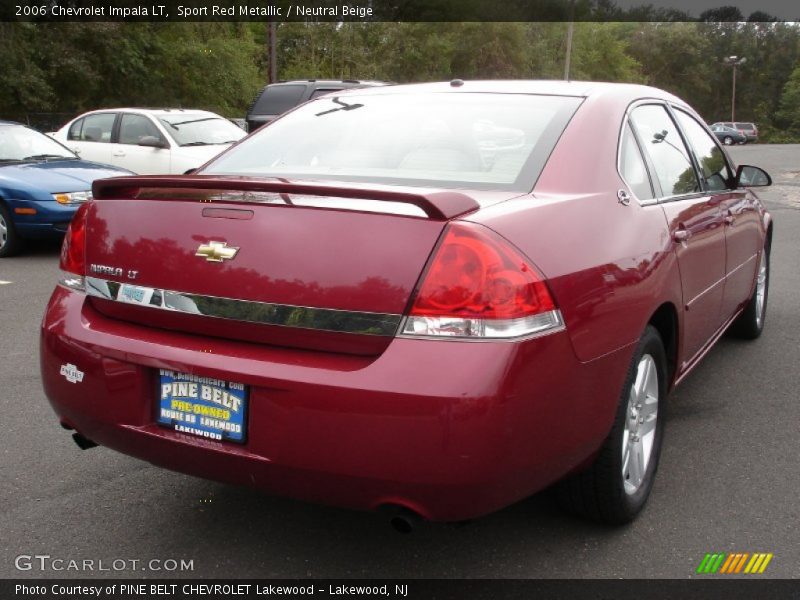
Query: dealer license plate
202	406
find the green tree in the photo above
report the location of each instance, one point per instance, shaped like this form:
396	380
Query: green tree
788	115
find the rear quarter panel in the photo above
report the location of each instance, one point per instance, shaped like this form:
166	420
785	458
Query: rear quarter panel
609	265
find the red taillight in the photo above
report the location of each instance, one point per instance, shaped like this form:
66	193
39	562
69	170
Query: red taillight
73	250
479	285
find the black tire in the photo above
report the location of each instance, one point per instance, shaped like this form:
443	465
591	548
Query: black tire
599	492
750	323
10	242
727	140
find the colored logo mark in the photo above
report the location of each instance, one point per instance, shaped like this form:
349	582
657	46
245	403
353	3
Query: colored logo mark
735	562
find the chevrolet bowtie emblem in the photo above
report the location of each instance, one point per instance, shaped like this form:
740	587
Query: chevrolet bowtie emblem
216	251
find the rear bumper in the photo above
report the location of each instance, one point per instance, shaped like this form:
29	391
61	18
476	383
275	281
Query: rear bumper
451	430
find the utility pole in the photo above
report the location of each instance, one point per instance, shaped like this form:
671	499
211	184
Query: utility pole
567	59
734	61
570	31
271	52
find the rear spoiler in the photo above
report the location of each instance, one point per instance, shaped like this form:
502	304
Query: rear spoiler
438	205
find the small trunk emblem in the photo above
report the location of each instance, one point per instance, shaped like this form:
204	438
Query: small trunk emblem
216	251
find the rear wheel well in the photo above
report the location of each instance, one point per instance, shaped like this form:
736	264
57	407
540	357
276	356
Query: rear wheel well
665	320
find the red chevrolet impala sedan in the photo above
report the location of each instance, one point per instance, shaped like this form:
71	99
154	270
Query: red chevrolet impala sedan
436	298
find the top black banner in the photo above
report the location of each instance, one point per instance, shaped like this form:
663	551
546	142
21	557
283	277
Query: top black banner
400	10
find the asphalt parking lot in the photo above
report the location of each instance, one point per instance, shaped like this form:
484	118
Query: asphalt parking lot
728	481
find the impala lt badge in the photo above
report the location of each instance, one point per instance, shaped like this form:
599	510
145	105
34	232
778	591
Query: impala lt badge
216	251
113	271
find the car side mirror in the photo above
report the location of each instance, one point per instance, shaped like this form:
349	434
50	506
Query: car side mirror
749	176
152	141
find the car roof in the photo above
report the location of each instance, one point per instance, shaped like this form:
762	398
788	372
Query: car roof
348	82
149	111
2	122
583	89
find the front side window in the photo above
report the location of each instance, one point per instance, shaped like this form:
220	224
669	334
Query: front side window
668	153
632	167
714	168
97	128
132	128
452	140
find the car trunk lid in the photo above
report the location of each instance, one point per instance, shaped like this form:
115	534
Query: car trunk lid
318	266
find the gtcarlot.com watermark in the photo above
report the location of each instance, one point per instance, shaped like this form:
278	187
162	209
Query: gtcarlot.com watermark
48	563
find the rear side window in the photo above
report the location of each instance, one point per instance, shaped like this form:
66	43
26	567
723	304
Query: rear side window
133	128
632	167
75	130
97	128
322	91
278	99
668	153
714	168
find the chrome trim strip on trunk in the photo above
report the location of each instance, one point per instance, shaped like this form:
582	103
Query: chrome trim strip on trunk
248	311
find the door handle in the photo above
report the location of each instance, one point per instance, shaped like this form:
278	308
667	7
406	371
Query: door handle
681	235
118	153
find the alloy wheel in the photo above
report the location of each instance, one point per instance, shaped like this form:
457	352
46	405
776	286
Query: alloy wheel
3	231
640	425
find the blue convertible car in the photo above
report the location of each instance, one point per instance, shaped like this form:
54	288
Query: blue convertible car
42	183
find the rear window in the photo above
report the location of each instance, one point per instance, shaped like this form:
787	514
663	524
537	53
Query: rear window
278	99
745	126
451	140
200	129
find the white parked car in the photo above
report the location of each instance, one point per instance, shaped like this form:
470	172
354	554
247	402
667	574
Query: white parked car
149	141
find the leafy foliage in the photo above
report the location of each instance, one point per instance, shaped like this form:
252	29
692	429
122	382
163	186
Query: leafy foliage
72	67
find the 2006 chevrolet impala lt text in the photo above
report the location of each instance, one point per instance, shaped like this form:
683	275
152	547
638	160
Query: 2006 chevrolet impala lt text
440	298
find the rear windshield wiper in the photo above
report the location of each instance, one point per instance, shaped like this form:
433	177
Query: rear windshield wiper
343	105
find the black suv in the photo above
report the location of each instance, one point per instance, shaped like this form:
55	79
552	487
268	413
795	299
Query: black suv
276	98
